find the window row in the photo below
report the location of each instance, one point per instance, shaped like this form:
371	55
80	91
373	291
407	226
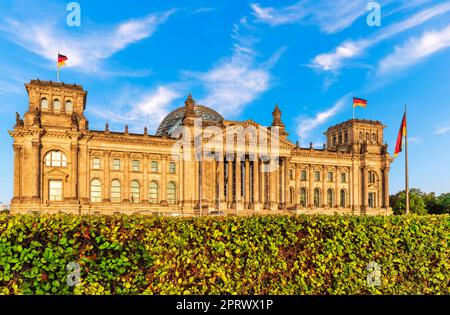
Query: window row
135	192
135	165
56	105
367	137
317	198
318	176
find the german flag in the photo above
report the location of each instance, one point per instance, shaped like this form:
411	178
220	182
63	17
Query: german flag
401	134
359	102
61	60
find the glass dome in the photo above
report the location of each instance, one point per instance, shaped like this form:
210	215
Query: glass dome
175	118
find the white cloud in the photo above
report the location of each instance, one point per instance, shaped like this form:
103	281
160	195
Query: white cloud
331	16
307	124
146	109
442	130
415	49
237	80
350	49
84	50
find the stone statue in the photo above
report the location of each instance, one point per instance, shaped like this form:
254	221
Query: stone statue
74	120
19	121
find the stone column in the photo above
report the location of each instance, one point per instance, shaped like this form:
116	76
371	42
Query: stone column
273	185
107	177
256	171
287	181
247	184
238	180
262	169
386	187
35	194
222	202
163	201
230	183
17	174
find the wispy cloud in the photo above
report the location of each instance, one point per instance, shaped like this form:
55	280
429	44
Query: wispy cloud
237	80
442	130
415	50
307	124
203	10
350	49
330	16
414	140
85	49
148	108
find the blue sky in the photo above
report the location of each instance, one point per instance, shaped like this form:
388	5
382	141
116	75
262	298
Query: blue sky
139	59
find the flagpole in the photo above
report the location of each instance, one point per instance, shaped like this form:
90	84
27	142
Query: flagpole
406	167
57	66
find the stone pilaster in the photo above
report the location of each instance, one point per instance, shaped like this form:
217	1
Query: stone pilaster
106	191
163	171
36	170
17	174
126	178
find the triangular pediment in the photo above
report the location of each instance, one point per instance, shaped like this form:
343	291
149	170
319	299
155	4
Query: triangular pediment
57	172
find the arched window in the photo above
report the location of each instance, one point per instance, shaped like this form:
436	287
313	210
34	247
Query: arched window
55	159
330	198
346	137
317	197
44	103
360	135
367	136
56	105
135	191
303	197
343	202
69	106
372	177
115	191
291	195
153	192
171	193
374	137
96	191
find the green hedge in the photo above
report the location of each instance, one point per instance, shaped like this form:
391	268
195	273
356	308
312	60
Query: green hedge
224	255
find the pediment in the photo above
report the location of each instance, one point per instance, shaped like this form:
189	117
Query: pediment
56	172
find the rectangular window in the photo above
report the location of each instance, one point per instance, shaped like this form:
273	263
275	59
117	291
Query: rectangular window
343	177
55	190
330	176
135	165
291	175
303	176
371	200
172	168
154	166
317	176
96	163
116	164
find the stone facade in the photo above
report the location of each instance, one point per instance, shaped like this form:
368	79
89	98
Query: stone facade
60	165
